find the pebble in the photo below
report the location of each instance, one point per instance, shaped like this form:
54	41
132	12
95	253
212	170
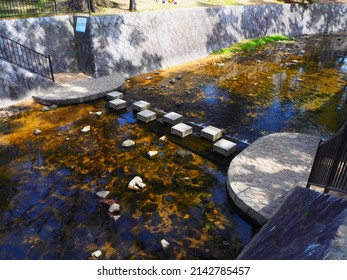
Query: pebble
99	113
140	185
164	243
85	129
116	217
49	108
179	77
133	184
102	194
114	207
91	113
152	153
172	81
128	143
37	131
97	254
163	138
149	78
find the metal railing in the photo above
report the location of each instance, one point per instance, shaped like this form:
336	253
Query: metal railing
29	59
329	169
14	8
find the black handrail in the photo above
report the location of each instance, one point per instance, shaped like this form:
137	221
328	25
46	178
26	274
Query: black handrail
329	169
24	57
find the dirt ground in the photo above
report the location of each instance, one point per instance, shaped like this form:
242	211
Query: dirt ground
121	6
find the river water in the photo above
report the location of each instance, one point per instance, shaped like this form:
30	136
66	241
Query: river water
48	182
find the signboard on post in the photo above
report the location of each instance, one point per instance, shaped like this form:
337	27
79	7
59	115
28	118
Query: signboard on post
81	24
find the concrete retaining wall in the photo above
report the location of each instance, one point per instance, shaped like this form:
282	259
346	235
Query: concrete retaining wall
134	43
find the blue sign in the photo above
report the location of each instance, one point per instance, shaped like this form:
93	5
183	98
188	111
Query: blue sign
81	24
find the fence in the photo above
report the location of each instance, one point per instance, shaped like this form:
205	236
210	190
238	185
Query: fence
329	169
27	58
14	8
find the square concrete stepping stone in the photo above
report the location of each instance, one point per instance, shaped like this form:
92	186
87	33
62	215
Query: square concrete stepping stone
181	129
141	105
172	118
114	95
224	147
211	133
117	104
146	116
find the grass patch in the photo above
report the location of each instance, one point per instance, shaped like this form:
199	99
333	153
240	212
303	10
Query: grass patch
252	44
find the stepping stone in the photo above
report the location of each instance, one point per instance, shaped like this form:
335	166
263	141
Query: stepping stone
224	147
114	95
211	133
141	105
117	104
146	116
172	118
182	130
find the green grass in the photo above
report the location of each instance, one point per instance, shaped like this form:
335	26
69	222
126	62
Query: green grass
252	44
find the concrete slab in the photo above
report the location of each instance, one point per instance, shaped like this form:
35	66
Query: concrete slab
114	95
140	105
146	116
79	91
224	147
211	133
261	176
181	130
117	104
172	118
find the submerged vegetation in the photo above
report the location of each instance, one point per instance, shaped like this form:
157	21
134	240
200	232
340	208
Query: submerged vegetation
252	44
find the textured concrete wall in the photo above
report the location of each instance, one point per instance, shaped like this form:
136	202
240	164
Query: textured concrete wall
309	225
15	82
47	35
136	43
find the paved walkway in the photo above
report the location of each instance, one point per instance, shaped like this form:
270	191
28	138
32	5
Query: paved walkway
79	91
261	176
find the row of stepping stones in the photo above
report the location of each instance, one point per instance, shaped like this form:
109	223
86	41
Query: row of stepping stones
144	114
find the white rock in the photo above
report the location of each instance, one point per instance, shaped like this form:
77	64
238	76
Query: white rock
152	153
133	184
98	113
37	131
114	207
140	185
97	254
86	129
102	194
116	217
163	138
128	143
164	243
91	113
149	78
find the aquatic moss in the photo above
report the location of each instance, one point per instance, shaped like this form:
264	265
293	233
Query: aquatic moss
251	44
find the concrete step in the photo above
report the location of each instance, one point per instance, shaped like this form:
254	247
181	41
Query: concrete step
146	116
172	118
182	130
211	133
117	104
224	147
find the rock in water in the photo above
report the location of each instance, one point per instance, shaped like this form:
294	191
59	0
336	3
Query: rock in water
116	217
114	207
163	138
128	143
102	194
99	113
97	254
85	129
37	131
164	243
140	185
152	153
172	81
133	184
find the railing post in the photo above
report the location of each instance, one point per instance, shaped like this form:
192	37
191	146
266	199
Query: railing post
50	67
89	7
55	7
